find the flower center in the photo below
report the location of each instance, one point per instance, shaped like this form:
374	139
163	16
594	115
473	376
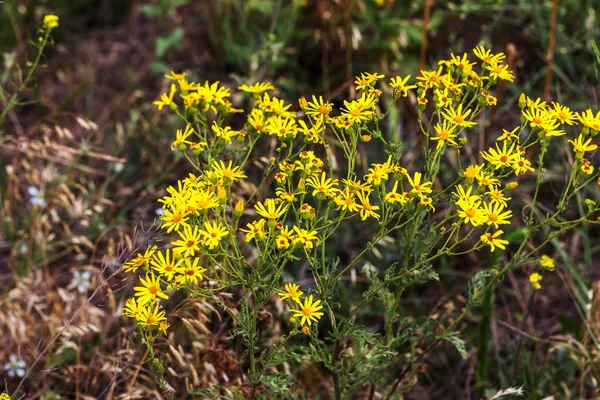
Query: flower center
470	213
190	243
307	312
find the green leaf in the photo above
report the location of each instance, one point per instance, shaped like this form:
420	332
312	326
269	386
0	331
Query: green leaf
458	343
168	42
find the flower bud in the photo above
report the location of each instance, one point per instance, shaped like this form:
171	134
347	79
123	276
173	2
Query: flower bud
238	209
221	192
522	101
302	102
511	185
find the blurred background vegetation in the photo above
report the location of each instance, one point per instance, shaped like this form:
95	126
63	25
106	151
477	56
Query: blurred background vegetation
90	147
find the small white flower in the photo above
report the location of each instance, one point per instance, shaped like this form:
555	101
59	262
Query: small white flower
15	366
37	196
159	211
81	281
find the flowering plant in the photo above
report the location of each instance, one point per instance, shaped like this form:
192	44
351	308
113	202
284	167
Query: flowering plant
243	224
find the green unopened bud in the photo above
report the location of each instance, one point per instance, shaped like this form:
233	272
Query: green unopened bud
590	202
173	106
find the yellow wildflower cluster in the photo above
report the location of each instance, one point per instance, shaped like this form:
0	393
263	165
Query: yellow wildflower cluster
302	198
307	311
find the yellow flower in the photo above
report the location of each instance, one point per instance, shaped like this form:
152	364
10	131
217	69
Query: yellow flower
274	105
419	187
590	121
465	196
256	119
441	98
486	55
431	78
471	213
224	133
362	82
175	77
400	86
324	187
509	135
213	233
486	179
166	100
535	279
255	229
132	308
472	171
521	165
50	21
563	113
141	260
496	215
284	238
501	72
366	208
358	111
309	311
377	173
356	185
163	326
494	241
165	265
547	263
579	146
427	202
305	237
345	201
586	168
461	63
501	158
149	290
315	132
318	108
226	173
270	212
151	316
458	117
291	292
189	243
192	271
537	117
393	197
497	196
282	127
257	87
180	139
445	133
